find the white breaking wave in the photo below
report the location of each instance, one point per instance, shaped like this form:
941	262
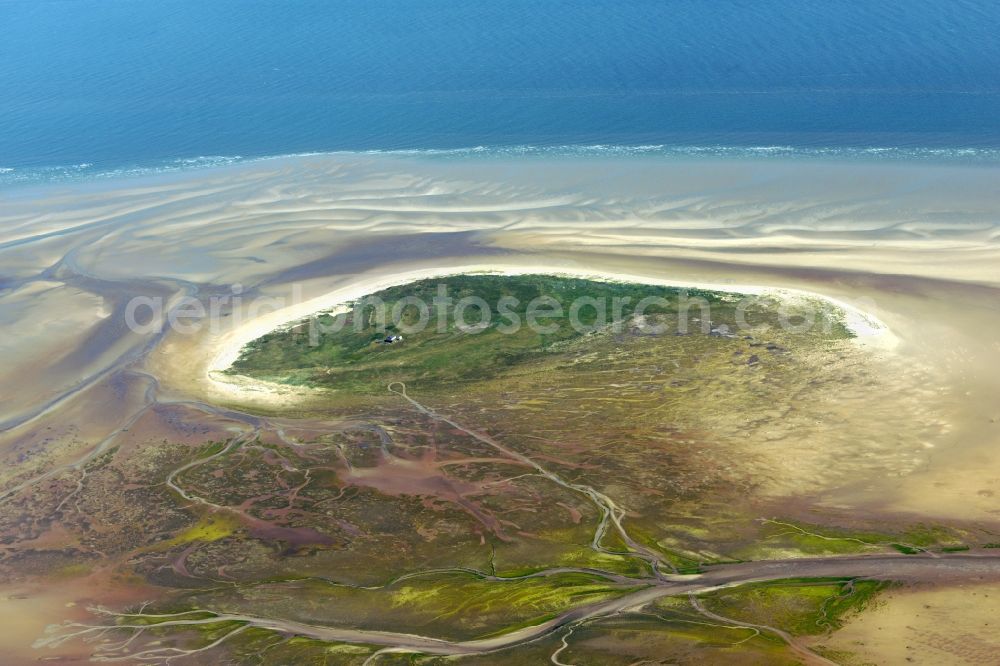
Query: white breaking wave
962	155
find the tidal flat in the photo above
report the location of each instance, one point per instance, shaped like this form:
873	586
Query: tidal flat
723	493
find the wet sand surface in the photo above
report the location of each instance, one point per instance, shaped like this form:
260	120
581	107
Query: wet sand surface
915	246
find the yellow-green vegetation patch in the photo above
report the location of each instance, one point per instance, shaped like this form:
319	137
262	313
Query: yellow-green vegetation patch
626	565
488	607
345	648
781	537
456	606
567	548
667	637
682	560
268	648
800	607
73	570
927	536
210	527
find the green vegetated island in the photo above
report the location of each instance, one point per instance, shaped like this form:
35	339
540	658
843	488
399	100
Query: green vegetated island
496	493
511	323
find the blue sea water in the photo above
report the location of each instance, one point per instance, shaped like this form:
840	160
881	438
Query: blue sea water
105	86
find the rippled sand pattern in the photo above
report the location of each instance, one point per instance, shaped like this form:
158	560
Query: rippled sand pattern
917	247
